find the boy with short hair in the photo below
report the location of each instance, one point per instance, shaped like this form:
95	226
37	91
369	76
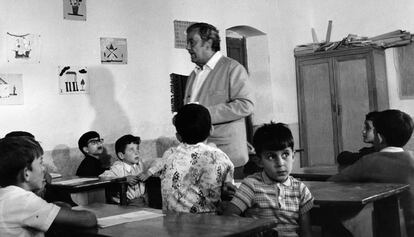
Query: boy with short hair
393	129
346	158
23	213
273	193
91	145
193	173
129	165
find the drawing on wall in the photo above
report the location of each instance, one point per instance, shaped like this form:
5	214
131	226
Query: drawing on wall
11	89
74	10
180	28
114	51
73	80
23	48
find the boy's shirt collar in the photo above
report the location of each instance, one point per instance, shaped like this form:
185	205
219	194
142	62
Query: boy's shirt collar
268	180
392	149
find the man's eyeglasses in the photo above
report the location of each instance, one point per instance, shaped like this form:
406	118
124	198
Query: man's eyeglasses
96	141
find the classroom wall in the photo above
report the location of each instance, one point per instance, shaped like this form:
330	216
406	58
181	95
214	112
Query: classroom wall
135	98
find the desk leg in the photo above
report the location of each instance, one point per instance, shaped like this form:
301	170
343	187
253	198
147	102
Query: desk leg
387	218
123	186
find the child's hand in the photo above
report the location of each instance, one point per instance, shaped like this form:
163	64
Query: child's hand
132	179
143	176
227	191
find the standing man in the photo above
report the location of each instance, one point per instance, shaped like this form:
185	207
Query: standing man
220	84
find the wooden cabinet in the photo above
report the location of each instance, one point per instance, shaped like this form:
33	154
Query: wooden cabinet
335	91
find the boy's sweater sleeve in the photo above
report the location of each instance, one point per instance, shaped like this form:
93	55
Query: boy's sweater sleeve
351	173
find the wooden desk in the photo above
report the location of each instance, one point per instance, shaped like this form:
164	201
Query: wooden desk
315	173
178	224
349	196
101	182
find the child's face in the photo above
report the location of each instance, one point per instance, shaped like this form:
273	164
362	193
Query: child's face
95	146
368	132
277	164
36	177
131	154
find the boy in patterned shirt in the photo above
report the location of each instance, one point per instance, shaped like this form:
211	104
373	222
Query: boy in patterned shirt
193	173
273	193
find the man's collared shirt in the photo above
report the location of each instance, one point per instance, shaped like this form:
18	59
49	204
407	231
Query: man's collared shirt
260	197
202	73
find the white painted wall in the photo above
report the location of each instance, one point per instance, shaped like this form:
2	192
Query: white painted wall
135	98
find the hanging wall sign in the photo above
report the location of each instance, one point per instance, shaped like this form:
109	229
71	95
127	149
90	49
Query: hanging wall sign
74	10
73	80
11	89
114	51
23	48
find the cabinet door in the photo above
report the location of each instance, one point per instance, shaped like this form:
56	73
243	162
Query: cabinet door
351	76
315	111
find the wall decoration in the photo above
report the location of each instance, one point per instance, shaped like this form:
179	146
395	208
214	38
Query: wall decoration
114	51
180	34
24	48
73	80
74	10
11	89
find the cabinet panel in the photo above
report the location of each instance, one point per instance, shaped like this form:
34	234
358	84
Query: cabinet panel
316	113
353	100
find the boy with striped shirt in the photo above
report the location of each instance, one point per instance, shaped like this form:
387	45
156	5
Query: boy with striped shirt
273	193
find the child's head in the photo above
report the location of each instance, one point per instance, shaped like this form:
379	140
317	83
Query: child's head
19	134
273	143
392	128
90	143
127	148
368	132
21	163
193	123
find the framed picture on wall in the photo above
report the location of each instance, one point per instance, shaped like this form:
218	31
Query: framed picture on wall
74	10
11	89
23	48
180	35
73	80
114	51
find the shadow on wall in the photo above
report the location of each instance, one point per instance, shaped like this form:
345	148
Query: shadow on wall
110	119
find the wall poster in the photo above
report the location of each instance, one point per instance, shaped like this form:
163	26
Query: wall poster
73	80
114	51
11	89
23	48
74	10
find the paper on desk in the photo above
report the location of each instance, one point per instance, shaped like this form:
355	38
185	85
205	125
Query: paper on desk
74	181
55	175
127	217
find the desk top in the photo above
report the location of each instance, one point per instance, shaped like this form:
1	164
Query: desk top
73	183
315	173
335	193
178	224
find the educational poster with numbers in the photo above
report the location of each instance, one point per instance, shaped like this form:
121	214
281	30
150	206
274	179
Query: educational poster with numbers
180	34
114	51
11	89
74	10
23	48
73	80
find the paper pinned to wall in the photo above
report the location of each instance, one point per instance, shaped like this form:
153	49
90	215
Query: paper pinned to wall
127	217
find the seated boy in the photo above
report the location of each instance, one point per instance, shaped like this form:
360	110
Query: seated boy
393	129
193	173
273	193
346	158
22	212
129	166
91	145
